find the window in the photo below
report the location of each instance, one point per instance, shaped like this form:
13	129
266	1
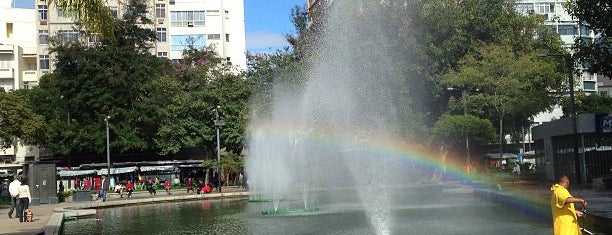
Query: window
568	30
6	61
182	42
42	12
43	37
162	54
63	13
114	12
524	8
227	37
584	30
214	36
43	61
544	8
160	10
588	85
161	35
9	30
67	36
26	85
187	18
94	39
226	14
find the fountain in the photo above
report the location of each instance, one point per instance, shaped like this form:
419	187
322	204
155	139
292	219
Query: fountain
325	134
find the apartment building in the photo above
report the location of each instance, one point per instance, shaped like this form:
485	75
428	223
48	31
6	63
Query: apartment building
559	21
178	23
17	47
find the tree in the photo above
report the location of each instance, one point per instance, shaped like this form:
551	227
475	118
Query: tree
510	85
452	130
114	79
93	14
18	120
595	55
593	103
203	82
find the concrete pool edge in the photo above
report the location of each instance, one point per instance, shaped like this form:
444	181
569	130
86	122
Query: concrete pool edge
56	221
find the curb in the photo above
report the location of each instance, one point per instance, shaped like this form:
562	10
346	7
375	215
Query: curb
55	222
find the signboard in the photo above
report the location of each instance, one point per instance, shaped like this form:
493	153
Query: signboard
603	122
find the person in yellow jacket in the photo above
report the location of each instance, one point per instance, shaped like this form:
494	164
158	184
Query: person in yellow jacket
565	216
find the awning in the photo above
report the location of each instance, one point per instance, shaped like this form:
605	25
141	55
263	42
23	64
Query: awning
65	173
115	171
157	168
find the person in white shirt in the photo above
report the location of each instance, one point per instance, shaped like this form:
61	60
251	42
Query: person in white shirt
14	191
24	200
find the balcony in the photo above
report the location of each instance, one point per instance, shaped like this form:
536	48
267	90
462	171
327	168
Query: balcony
6	49
7	73
30	76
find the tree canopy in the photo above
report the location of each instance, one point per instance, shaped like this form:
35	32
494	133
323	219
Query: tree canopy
595	55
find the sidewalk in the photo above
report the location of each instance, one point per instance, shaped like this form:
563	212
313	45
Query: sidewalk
599	209
44	212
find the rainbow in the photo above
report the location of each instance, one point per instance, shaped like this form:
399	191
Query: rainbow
402	152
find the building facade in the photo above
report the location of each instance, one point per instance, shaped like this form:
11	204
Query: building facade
178	24
559	21
17	47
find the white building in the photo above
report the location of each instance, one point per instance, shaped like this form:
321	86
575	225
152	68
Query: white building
178	23
17	47
558	20
17	65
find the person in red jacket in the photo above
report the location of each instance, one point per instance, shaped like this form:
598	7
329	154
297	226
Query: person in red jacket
129	187
167	187
206	188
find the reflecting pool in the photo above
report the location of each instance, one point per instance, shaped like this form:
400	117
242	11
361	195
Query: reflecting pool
425	210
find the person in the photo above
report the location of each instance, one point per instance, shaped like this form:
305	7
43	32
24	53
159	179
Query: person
151	188
206	188
189	185
61	186
516	170
119	189
104	186
167	186
24	200
565	216
129	186
216	182
14	191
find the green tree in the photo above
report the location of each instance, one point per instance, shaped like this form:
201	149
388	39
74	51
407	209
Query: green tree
595	55
593	103
114	79
93	14
204	81
508	84
18	120
452	130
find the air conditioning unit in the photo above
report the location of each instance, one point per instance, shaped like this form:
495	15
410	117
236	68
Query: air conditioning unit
171	2
189	24
43	22
160	21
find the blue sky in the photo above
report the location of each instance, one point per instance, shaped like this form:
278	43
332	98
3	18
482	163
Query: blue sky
266	22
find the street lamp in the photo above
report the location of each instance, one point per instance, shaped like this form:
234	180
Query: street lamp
218	124
569	60
107	148
464	94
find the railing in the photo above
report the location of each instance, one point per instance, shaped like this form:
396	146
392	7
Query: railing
7	73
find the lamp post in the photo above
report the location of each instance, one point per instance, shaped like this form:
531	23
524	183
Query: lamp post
108	166
464	94
569	60
218	124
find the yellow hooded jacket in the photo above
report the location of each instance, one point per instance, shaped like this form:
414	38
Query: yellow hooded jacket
564	215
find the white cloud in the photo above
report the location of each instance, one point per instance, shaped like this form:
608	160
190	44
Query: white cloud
262	40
